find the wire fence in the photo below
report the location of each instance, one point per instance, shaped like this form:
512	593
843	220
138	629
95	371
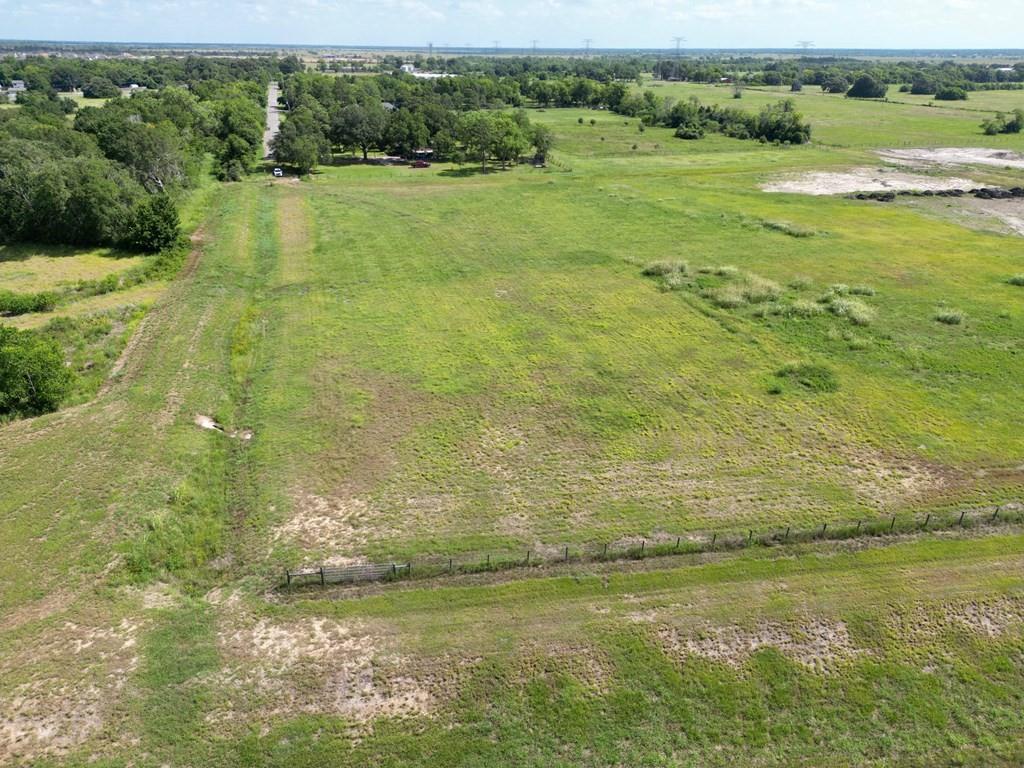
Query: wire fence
660	546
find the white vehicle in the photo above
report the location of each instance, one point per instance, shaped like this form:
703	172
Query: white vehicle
278	173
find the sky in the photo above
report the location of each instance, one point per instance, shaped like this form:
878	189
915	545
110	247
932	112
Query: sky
515	23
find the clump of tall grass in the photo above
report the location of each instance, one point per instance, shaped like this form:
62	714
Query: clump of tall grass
662	268
949	316
857	312
757	289
862	290
725	297
1016	280
673	282
804	308
787	228
800	283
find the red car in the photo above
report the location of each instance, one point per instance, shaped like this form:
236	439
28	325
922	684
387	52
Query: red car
420	164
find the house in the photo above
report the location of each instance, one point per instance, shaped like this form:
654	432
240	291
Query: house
16	87
408	68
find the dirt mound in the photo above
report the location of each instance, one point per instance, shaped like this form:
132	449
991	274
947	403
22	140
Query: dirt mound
945	156
863	180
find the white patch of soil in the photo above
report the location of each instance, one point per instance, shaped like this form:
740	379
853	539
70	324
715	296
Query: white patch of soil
946	156
864	180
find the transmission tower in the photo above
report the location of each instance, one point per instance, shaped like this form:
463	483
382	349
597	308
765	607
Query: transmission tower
586	42
497	45
678	41
534	44
430	49
805	44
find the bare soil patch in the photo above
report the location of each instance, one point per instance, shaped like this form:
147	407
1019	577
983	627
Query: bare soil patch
948	156
816	644
864	180
63	688
319	666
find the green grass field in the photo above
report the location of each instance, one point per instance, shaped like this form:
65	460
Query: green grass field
440	361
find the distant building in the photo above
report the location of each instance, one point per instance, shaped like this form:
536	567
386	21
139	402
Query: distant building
409	68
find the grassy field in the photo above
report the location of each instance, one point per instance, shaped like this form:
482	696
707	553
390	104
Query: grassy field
437	360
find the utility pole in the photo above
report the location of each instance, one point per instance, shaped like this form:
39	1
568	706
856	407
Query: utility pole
586	42
534	44
430	49
678	41
805	44
497	44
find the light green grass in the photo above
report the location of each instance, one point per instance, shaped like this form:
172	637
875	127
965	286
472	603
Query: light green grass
34	268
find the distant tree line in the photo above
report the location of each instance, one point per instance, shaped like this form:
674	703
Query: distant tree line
399	115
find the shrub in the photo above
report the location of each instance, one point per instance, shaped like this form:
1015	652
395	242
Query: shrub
862	290
673	282
33	376
726	271
155	227
689	132
951	93
816	378
950	317
800	283
1016	280
867	87
23	303
661	268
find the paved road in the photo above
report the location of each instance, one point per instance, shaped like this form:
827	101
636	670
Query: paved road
273	119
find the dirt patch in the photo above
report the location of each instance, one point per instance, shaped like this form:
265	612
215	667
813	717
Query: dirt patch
64	688
864	180
817	645
585	665
990	618
319	666
205	422
949	156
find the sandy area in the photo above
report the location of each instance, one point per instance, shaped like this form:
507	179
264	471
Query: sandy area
863	180
955	156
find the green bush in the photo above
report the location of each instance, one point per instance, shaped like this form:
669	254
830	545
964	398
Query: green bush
23	303
155	226
950	317
951	93
1016	280
33	376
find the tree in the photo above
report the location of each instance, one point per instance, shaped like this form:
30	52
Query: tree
543	138
835	84
33	376
405	132
155	225
361	127
100	88
867	87
301	142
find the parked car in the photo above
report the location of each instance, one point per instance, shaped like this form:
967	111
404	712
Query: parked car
278	173
420	164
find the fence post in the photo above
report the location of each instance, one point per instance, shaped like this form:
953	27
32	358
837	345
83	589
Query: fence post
527	557
750	536
787	533
643	546
677	543
323	581
960	522
714	538
995	514
567	554
488	559
892	525
288	576
394	570
823	527
449	565
605	553
858	526
927	519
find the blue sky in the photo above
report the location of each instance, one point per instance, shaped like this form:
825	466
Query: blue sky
554	23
